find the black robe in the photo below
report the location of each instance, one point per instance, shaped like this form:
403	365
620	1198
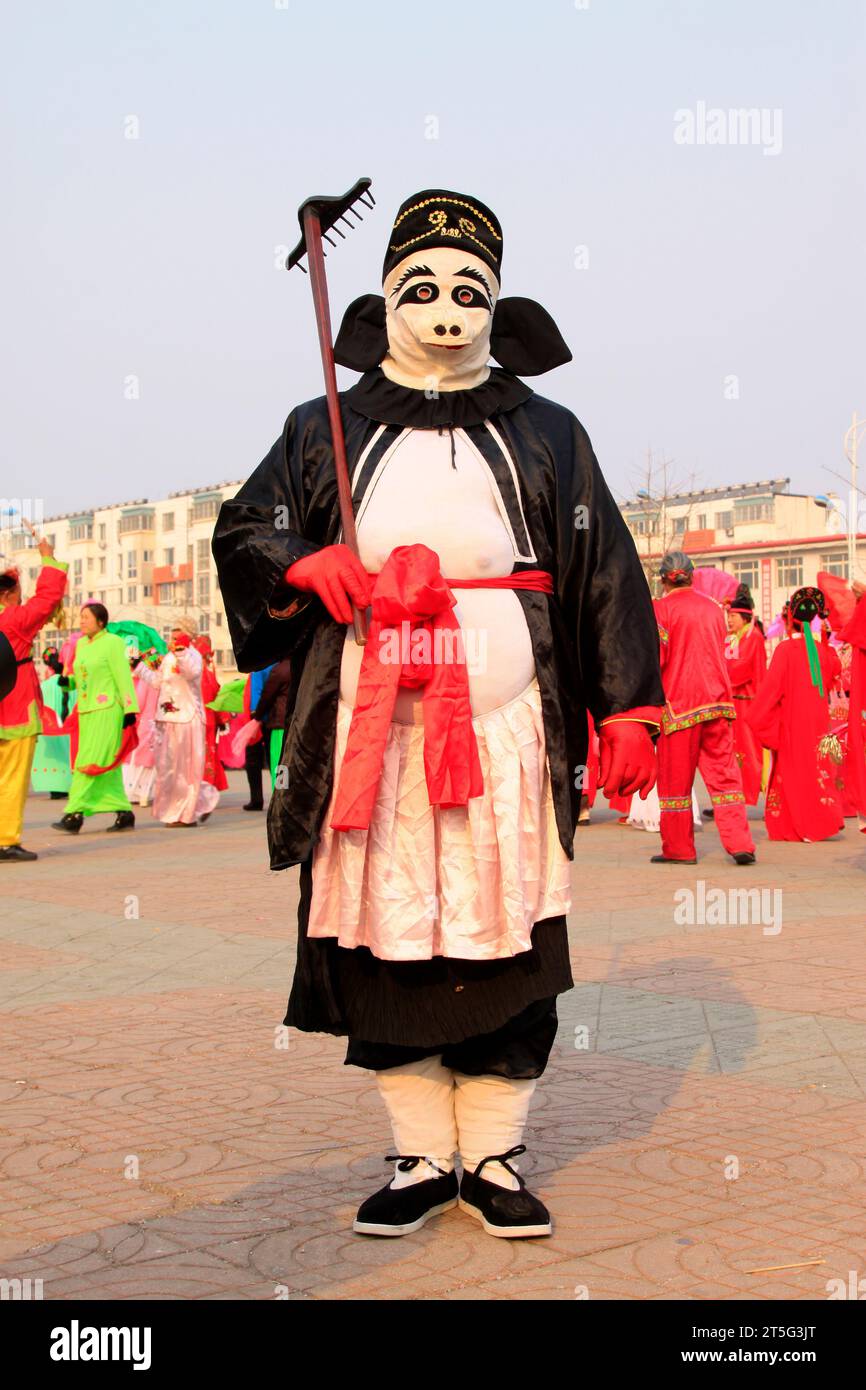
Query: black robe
594	640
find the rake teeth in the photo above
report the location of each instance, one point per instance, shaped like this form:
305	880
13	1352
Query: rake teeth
330	211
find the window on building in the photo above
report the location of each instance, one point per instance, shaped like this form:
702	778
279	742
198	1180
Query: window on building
165	593
146	556
120	565
102	530
202	553
90	562
680	524
189	554
701	522
753	511
81	530
203	623
166	632
789	572
102	564
835	563
135	521
747	572
203	508
218	619
168	521
168	555
147	590
724	521
132	564
77	567
132	593
220	657
203	590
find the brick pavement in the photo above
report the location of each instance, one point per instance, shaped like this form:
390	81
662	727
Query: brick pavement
685	1053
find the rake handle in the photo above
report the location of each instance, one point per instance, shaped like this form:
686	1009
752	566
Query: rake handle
319	285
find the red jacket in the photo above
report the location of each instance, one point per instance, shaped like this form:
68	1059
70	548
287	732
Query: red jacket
21	711
692	634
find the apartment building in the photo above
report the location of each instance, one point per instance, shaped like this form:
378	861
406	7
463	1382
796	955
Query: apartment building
150	561
770	538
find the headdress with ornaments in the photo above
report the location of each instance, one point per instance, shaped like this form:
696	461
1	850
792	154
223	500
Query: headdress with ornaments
802	608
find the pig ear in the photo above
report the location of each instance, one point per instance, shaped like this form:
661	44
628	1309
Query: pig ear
524	338
362	341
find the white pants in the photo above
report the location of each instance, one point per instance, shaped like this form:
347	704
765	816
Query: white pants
435	1112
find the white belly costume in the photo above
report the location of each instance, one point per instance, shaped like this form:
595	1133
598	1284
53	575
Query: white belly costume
469	881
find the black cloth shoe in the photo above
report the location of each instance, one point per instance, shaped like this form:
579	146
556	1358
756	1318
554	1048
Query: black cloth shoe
16	854
665	859
124	820
502	1211
254	806
747	857
58	796
397	1211
71	823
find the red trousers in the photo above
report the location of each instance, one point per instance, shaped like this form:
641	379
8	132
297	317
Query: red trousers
710	747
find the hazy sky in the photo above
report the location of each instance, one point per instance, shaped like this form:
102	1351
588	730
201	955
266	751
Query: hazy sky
154	257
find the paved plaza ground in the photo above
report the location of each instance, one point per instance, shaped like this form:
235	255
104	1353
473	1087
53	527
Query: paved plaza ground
702	1122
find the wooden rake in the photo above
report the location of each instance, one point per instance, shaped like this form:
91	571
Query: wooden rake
319	216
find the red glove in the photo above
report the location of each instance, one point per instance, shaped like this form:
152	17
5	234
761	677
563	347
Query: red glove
337	576
627	759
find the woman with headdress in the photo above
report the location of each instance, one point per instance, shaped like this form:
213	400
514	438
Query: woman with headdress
105	709
790	715
747	666
181	797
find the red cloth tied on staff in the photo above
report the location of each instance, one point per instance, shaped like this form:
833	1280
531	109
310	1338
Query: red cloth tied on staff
411	589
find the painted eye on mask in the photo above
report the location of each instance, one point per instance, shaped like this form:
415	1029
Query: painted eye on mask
424	293
469	298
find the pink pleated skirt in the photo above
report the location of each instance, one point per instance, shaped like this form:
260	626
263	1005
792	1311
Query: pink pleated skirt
468	882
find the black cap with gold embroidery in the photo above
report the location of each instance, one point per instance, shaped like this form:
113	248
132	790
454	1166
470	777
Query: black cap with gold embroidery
436	217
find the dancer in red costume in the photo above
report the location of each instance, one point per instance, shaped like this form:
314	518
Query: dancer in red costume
214	772
854	633
747	667
696	720
791	716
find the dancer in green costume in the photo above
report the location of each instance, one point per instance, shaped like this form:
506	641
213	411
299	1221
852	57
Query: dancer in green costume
52	771
106	705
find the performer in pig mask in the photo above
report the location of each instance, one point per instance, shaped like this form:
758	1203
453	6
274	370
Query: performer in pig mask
431	778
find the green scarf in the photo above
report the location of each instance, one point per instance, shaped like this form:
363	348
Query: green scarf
814	659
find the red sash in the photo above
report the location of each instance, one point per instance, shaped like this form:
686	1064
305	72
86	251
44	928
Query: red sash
411	590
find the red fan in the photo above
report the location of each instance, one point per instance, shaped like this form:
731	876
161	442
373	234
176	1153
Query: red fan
715	583
841	601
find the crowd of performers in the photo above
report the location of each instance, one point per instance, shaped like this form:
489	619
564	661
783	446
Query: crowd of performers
110	727
783	729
